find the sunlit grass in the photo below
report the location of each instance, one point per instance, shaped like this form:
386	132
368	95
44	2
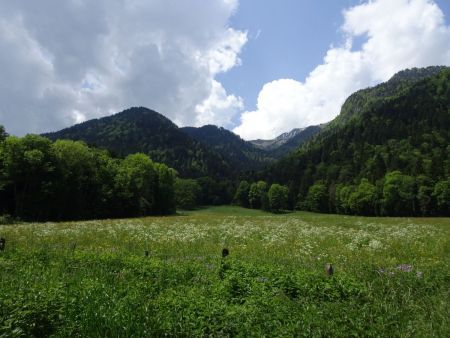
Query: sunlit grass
92	278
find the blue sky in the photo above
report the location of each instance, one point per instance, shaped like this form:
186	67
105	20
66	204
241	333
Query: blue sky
287	39
259	68
293	37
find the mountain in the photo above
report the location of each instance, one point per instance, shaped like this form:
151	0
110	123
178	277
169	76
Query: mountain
399	129
239	153
295	141
287	142
363	100
193	152
250	155
144	130
278	141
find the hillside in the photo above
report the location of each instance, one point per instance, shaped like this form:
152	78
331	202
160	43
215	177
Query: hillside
143	130
239	153
366	99
400	126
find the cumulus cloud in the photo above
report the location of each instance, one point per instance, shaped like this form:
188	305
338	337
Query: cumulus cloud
66	61
399	34
219	108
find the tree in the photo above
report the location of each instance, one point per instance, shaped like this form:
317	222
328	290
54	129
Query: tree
424	195
317	198
3	134
187	193
398	194
165	193
27	175
136	183
241	195
278	197
79	181
257	195
214	191
363	200
441	194
343	194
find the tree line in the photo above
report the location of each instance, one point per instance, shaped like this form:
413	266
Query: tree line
259	195
191	193
395	195
65	180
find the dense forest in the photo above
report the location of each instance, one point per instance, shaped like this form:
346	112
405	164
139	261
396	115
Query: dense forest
41	180
240	154
387	153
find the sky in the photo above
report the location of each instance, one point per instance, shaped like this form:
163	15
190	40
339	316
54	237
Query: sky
258	68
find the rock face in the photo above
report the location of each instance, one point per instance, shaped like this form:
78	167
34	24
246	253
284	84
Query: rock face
287	142
278	141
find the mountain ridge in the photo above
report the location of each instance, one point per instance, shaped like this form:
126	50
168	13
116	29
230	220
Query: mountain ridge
140	129
193	152
270	144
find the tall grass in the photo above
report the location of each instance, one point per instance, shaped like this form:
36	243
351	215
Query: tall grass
91	279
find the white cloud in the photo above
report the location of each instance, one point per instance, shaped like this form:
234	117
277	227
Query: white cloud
65	61
219	108
400	34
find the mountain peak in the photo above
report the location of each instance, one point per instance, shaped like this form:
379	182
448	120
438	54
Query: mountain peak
277	141
288	135
416	74
140	129
365	99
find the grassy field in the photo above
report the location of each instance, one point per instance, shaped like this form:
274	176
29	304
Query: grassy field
92	278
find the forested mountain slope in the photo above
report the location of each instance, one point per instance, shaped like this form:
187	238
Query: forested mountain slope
250	155
240	154
193	152
390	142
143	130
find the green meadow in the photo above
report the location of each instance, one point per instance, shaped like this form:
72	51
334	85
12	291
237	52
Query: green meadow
93	279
